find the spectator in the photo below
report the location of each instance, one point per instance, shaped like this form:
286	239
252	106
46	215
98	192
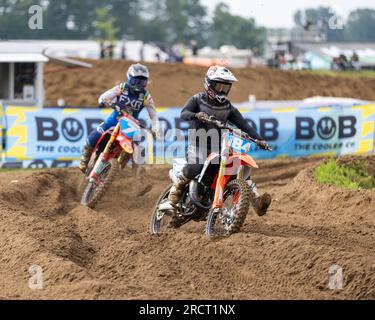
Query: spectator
340	63
157	56
123	51
276	63
354	61
345	65
142	53
169	52
110	51
102	50
194	47
179	52
282	61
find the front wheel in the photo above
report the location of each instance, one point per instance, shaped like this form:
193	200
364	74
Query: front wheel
160	220
97	188
230	218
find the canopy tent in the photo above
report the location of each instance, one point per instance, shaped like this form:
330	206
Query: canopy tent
22	57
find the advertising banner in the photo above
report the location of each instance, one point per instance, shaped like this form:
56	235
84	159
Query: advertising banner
57	136
299	132
48	134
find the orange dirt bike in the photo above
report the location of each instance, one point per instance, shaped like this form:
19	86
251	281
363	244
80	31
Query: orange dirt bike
219	194
112	152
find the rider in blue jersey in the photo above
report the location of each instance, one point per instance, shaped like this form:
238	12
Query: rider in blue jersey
132	97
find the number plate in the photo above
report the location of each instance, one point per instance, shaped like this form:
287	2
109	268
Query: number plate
128	128
239	145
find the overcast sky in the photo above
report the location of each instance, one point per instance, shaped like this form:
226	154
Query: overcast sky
279	13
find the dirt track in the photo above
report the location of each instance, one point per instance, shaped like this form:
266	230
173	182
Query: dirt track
109	254
173	84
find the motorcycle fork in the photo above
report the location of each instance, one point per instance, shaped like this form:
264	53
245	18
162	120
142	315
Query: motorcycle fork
108	147
104	156
222	182
241	173
220	185
121	158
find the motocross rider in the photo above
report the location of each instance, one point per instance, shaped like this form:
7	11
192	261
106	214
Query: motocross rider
214	102
132	97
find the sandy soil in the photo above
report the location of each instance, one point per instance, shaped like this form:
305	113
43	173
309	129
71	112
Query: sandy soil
173	84
109	254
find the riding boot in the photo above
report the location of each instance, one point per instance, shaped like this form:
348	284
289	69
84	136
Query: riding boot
260	202
85	158
174	195
176	190
173	199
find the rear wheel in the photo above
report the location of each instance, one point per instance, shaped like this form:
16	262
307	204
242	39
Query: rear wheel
97	188
230	218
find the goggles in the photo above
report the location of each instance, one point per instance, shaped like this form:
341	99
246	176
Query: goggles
221	87
138	82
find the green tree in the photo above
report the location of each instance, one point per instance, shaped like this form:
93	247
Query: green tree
105	25
127	14
234	30
14	18
361	25
68	19
168	21
177	20
62	19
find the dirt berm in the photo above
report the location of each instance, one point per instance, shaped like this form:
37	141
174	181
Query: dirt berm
109	254
173	84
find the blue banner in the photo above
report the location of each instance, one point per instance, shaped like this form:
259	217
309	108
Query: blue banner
52	135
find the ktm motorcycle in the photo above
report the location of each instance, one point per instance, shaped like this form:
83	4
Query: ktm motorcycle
219	194
112	152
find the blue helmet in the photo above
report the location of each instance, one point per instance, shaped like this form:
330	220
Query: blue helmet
138	76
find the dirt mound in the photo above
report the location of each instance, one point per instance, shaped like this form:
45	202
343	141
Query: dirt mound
173	84
109	254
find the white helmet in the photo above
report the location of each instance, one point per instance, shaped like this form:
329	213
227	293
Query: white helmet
138	75
218	82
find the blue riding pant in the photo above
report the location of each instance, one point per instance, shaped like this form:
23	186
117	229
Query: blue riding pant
95	135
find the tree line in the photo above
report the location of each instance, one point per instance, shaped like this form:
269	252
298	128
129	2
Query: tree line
163	21
167	21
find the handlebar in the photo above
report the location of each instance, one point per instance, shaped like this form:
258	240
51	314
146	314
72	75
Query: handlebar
221	125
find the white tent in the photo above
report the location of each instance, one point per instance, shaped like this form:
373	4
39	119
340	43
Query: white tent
21	73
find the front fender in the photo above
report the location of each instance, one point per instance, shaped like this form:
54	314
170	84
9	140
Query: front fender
243	159
125	143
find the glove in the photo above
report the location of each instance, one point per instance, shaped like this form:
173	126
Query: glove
115	107
263	145
202	116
